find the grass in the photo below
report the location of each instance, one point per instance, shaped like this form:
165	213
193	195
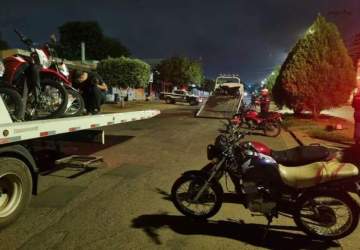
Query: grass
322	128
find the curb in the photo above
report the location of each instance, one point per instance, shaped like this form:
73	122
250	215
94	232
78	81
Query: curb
294	137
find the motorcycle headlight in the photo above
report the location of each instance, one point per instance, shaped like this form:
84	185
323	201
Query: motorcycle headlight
64	69
2	68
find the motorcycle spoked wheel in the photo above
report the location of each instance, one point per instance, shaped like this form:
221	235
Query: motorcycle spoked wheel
240	121
184	191
76	105
326	215
13	103
208	167
53	101
272	129
251	125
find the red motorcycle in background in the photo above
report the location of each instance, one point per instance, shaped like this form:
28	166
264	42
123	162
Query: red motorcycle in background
269	122
42	98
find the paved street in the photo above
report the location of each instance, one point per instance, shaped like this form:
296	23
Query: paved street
125	205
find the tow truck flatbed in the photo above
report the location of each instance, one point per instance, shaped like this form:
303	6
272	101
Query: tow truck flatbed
19	158
20	131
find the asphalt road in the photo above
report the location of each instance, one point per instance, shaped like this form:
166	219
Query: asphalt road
125	205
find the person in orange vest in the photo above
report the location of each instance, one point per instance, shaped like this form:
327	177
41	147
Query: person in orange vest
264	102
354	100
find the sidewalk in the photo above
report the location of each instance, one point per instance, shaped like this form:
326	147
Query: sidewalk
344	112
305	139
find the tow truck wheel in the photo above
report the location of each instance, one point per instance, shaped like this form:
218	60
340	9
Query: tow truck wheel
193	102
15	189
168	100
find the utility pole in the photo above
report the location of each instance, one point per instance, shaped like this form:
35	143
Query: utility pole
83	52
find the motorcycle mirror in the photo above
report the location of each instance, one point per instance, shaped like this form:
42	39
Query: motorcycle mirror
53	38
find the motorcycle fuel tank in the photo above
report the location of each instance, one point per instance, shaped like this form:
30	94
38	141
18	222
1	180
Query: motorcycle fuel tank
261	148
260	168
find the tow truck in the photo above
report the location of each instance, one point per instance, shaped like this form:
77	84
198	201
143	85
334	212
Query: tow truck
225	100
19	151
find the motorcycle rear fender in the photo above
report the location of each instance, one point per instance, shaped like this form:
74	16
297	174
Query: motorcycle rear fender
346	185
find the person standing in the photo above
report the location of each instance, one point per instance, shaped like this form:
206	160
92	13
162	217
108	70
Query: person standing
354	100
264	102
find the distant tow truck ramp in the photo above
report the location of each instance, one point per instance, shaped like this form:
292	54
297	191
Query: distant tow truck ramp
225	100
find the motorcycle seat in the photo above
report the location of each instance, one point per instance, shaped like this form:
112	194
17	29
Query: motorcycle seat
316	173
301	155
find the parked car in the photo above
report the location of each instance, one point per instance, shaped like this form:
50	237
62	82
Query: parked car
180	96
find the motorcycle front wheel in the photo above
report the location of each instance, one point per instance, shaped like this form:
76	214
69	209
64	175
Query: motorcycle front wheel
272	129
326	215
186	188
52	101
76	105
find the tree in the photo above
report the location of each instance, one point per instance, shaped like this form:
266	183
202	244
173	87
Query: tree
114	48
355	49
98	46
271	79
318	73
124	72
208	85
3	45
180	70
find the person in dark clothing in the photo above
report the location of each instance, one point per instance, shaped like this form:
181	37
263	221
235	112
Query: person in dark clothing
93	90
253	102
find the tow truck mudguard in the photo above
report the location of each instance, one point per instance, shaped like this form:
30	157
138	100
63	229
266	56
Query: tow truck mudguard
20	152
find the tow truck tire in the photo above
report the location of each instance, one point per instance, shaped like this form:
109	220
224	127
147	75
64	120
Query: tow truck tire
15	189
193	103
168	100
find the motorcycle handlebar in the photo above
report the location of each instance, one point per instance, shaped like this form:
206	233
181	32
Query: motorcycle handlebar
23	38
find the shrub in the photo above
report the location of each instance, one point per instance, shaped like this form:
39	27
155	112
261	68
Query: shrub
123	72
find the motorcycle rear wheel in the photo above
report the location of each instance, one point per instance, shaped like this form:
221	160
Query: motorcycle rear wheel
13	103
76	105
272	129
316	214
211	198
53	92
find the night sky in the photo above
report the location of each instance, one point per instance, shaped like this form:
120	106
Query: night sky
246	37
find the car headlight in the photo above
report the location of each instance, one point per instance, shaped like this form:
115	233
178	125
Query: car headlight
2	68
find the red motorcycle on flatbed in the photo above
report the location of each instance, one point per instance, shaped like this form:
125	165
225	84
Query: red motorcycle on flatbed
42	98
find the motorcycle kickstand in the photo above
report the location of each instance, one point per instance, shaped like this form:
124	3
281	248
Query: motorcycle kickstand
269	218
